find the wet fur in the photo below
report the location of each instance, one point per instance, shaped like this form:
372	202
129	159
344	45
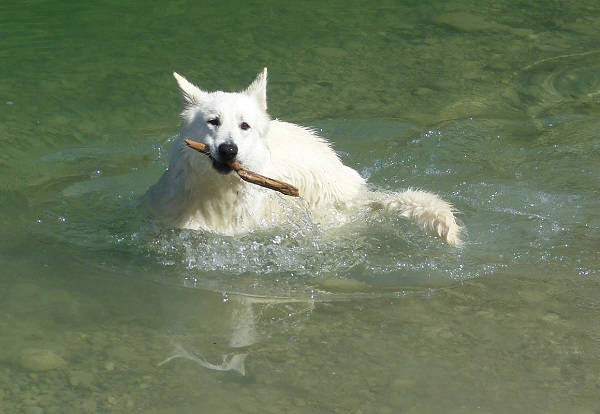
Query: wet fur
193	194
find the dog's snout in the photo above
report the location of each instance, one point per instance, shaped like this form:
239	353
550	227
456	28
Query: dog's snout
228	151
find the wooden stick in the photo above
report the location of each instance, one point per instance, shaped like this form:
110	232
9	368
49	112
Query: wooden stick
248	175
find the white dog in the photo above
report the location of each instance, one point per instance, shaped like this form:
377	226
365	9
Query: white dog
200	192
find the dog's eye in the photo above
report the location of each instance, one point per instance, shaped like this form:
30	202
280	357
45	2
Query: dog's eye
244	126
214	121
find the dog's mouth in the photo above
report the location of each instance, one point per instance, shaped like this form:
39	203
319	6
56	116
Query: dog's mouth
221	167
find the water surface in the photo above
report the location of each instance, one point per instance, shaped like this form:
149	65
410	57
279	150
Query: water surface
493	105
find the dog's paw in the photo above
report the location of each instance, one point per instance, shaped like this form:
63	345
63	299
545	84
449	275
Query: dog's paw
449	230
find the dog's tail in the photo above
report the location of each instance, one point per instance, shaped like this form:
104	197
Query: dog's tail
424	208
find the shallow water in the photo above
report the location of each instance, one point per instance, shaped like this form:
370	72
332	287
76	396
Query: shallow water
495	106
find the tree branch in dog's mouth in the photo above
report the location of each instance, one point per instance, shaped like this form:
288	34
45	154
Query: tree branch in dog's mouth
248	175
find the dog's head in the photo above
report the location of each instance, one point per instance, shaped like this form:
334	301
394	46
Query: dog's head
232	124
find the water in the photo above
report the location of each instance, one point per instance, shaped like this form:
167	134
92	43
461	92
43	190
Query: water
494	106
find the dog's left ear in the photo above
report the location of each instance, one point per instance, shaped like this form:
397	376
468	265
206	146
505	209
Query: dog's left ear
258	89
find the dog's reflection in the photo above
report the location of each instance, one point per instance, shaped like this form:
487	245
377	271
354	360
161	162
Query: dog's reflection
246	313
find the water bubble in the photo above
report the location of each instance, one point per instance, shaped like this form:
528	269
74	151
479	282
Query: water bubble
190	281
371	247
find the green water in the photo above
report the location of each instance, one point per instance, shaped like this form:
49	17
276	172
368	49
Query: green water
493	105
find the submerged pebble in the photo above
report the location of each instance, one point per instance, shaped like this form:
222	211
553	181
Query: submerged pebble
551	317
81	379
467	22
89	406
40	360
422	91
109	366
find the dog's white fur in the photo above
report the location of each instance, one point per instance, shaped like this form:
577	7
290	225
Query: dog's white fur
192	194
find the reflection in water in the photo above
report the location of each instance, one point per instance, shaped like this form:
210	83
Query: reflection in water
244	320
230	362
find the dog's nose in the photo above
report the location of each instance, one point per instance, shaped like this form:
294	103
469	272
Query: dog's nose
228	151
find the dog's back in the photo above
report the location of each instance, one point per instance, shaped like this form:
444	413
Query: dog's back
301	157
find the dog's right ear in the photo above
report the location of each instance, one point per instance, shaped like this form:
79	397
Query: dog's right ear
258	89
190	92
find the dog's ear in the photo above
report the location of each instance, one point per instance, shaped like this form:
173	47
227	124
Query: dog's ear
190	92
258	89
